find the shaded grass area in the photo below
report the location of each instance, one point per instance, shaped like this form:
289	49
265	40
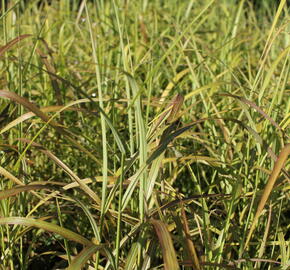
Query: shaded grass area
144	135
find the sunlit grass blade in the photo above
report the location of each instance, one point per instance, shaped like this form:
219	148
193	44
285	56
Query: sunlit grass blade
257	108
10	176
30	106
80	260
131	260
168	115
185	30
29	115
141	135
173	83
272	69
8	9
68	234
61	164
170	112
275	21
268	188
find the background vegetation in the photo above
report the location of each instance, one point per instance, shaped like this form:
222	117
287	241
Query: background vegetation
144	134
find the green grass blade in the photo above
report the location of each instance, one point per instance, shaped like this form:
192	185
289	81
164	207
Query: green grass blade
68	234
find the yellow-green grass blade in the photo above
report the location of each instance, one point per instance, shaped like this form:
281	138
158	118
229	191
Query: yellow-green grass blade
79	261
132	257
257	108
130	189
152	176
142	143
275	21
265	236
285	250
58	109
285	122
211	86
61	164
8	9
271	71
10	176
33	108
68	234
269	186
186	29
29	115
91	218
173	83
169	254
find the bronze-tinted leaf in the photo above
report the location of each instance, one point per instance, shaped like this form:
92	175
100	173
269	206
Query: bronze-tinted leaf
169	255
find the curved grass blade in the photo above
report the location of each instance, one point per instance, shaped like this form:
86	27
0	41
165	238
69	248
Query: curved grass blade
11	43
257	108
165	141
169	255
61	164
27	116
209	86
47	227
132	257
120	144
186	29
80	260
173	83
189	243
91	219
28	105
14	191
10	176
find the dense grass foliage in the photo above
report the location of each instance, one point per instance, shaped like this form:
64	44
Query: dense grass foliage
144	134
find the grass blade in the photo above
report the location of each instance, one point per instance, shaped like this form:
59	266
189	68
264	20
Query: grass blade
268	188
14	191
80	260
68	234
169	255
11	43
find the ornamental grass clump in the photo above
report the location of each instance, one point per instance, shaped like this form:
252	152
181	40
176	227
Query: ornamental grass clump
144	135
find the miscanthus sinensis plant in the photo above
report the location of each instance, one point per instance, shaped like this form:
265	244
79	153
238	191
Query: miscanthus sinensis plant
144	134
